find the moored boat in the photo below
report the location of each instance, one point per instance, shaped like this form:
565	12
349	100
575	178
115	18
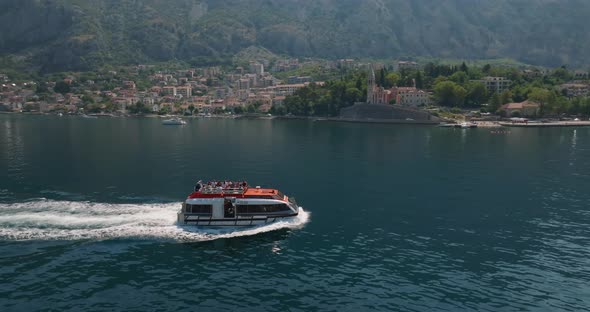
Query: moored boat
468	125
174	122
235	204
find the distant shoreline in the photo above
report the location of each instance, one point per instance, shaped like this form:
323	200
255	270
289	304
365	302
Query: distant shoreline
480	124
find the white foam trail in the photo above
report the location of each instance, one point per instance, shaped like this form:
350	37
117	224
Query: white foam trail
67	220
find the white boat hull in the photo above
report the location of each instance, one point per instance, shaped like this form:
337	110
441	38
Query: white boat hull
174	122
237	222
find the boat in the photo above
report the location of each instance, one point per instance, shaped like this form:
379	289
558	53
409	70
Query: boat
468	125
174	122
215	204
89	116
463	125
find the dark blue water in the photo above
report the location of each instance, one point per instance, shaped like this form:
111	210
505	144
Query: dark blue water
395	217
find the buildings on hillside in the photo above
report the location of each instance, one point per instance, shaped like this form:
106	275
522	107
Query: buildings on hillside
496	84
575	89
257	68
407	65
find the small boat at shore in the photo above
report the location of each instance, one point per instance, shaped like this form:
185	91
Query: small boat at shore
468	125
217	204
463	125
174	122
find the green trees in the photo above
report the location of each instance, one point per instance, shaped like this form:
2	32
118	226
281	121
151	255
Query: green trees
464	67
277	110
506	97
164	110
41	88
448	93
419	80
327	100
459	77
562	74
93	108
138	108
544	97
477	93
62	87
495	103
87	99
392	79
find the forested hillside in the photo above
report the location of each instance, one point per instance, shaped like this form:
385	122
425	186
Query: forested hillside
60	35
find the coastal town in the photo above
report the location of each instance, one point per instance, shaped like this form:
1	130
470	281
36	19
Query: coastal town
264	87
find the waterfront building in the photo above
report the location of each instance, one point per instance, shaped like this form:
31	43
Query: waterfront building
522	109
278	101
410	96
496	84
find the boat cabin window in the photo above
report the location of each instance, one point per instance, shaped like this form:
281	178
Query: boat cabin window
248	209
199	209
262	197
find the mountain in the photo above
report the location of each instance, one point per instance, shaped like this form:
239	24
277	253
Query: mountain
59	35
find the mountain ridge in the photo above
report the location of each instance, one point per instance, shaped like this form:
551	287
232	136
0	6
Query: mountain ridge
58	35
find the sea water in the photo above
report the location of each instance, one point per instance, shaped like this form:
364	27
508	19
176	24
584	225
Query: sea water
407	218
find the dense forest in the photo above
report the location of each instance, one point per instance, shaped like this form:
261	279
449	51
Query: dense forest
60	35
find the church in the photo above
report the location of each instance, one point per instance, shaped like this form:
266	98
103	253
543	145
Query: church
375	93
378	109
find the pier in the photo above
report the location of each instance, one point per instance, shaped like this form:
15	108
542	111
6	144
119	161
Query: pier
546	124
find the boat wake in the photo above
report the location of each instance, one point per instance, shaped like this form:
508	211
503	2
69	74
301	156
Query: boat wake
43	219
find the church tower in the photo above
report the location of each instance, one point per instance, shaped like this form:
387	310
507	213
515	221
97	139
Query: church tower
371	86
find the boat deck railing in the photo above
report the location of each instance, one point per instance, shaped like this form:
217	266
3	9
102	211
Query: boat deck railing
221	190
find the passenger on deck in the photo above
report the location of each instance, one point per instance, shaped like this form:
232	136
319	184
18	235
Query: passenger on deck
199	186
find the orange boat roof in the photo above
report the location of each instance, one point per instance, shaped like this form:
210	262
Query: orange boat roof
260	191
